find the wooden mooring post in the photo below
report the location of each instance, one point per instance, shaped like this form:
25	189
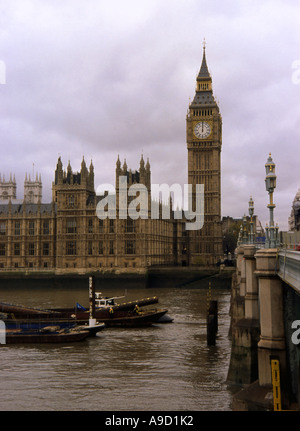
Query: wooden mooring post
211	319
92	320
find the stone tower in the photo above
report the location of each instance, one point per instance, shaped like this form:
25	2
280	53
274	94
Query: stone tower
32	189
74	195
204	142
8	189
141	176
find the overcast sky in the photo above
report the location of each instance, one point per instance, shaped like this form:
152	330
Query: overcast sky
99	78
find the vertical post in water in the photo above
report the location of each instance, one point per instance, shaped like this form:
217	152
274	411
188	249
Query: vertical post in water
2	332
211	319
92	320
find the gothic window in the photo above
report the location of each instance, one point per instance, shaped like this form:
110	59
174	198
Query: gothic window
130	225
31	249
46	229
31	228
30	197
100	247
111	247
71	226
130	247
46	249
2	228
71	248
90	225
101	226
111	226
2	249
17	228
90	248
17	249
71	201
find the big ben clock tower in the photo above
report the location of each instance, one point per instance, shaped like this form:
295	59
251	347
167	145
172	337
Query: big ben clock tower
204	142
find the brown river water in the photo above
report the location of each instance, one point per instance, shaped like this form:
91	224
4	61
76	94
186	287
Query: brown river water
165	367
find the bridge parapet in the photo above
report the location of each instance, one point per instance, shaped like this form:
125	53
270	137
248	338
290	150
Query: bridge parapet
289	267
259	333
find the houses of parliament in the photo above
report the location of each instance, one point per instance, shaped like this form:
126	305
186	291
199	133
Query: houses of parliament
66	235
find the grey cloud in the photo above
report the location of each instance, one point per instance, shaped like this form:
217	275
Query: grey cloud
101	79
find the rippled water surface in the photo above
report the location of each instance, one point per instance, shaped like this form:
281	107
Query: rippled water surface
163	367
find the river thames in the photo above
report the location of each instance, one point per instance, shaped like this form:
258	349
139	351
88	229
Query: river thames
165	367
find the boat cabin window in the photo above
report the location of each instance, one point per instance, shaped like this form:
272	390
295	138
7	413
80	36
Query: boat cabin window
110	302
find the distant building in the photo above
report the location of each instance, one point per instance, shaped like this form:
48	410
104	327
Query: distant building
294	219
33	189
8	189
231	228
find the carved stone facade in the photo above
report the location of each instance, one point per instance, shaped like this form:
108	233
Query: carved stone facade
67	236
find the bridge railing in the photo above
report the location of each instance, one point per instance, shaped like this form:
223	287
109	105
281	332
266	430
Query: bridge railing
289	267
295	247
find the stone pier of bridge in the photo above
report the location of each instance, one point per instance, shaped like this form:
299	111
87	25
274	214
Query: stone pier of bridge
258	331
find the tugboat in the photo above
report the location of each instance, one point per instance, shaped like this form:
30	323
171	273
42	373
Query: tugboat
112	314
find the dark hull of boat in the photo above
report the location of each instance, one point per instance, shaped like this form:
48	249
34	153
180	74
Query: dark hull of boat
19	310
142	319
122	315
38	338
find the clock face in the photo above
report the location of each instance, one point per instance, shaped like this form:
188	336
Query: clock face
202	130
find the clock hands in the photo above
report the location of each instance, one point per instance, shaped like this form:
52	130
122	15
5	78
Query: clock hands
202	130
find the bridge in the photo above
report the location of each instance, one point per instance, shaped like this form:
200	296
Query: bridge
289	268
265	325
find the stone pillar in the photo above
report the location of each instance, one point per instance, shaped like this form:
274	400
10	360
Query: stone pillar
240	283
240	265
251	293
272	338
245	329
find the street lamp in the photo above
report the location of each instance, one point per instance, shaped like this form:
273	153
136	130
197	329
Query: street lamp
251	212
240	237
270	180
245	236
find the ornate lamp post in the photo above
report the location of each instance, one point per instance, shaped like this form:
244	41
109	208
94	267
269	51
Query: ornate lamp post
271	231
251	212
240	237
245	236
